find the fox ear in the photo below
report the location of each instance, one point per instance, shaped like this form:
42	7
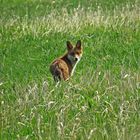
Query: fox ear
78	44
69	46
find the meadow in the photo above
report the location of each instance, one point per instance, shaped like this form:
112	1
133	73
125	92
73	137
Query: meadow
101	101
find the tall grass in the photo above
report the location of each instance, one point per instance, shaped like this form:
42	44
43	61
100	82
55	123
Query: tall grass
101	100
75	20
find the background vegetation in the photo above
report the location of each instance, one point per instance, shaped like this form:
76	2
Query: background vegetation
101	100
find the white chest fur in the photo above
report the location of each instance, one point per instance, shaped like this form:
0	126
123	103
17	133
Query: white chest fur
74	67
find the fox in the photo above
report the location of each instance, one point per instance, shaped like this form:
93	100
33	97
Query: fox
63	67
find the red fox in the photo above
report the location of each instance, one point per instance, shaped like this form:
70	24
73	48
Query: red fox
63	67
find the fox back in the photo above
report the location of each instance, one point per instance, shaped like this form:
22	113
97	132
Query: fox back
63	67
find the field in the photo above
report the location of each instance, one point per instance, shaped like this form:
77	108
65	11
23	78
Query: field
102	99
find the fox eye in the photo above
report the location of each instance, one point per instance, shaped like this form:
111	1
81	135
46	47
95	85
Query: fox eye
77	53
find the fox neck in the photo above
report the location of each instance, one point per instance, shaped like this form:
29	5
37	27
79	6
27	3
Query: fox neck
71	64
74	66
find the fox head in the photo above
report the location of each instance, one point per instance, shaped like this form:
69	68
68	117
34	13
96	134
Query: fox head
74	54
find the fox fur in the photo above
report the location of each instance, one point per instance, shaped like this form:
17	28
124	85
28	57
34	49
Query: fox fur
63	67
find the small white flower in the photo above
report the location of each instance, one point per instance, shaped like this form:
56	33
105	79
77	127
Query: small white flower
126	75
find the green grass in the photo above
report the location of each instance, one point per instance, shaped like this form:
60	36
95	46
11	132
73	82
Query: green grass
101	100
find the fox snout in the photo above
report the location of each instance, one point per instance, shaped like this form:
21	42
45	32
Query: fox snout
62	68
76	59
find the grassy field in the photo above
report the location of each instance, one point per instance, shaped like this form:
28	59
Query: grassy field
101	101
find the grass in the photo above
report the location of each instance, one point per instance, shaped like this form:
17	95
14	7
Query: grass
101	100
